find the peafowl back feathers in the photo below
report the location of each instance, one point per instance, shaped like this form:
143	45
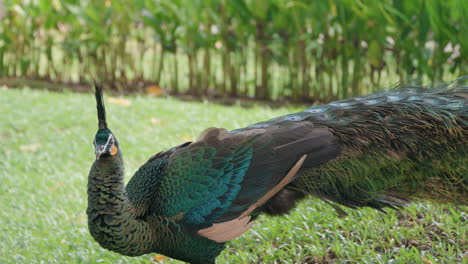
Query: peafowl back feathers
410	142
380	151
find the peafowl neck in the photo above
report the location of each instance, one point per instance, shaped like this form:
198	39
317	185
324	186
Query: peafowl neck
110	218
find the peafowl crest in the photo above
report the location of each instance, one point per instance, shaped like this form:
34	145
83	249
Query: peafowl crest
379	151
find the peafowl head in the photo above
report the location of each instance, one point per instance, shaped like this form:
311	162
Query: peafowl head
104	141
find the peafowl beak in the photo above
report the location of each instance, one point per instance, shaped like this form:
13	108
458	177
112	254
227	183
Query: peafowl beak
100	150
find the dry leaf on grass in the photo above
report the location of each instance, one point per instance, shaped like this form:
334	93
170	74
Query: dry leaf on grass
154	90
155	121
119	101
426	260
30	148
160	258
59	184
187	138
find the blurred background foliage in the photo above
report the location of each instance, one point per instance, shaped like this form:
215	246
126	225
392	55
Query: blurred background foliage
276	49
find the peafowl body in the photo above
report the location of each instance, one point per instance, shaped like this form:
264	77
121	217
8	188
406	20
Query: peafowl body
377	151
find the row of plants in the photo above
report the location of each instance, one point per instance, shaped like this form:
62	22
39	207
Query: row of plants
298	49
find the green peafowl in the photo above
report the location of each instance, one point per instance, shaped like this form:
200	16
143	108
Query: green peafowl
378	151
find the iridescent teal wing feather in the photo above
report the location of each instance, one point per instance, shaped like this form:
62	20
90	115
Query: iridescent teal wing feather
201	181
217	178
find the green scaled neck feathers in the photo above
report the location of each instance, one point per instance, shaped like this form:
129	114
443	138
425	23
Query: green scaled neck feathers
110	215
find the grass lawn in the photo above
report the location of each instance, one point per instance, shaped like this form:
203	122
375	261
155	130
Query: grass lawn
46	150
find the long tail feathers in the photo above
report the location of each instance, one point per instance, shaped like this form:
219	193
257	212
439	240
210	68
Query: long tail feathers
397	146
